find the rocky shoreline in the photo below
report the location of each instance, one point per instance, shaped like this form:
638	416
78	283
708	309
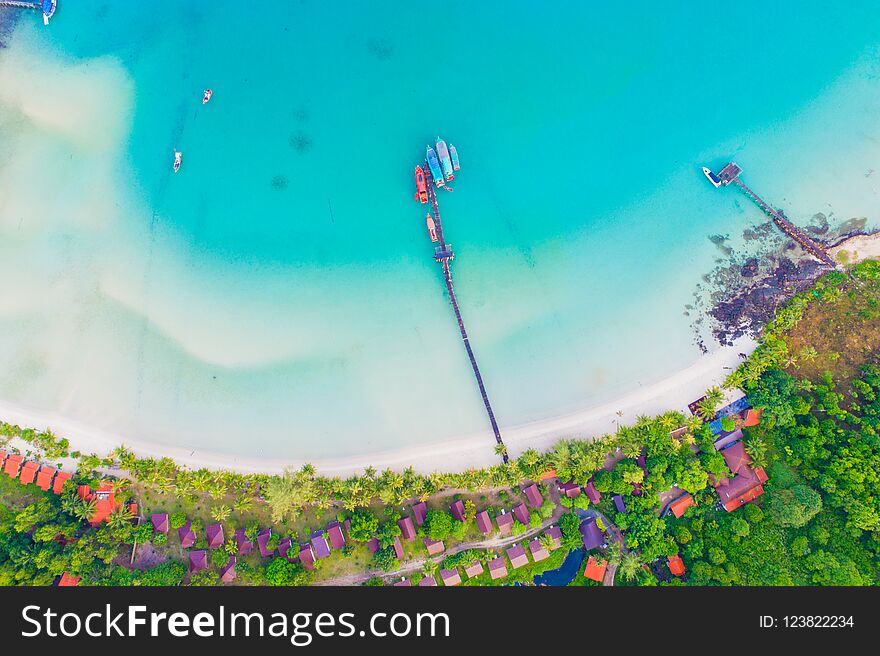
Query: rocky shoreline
752	280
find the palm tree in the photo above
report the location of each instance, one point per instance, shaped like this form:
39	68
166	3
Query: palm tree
501	450
756	449
83	509
630	564
221	513
120	516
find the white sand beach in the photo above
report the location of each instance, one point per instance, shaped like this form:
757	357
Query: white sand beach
458	454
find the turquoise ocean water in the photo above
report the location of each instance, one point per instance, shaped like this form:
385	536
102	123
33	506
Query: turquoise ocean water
277	297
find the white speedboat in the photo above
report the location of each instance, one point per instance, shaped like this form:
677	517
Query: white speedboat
207	96
48	7
178	158
711	177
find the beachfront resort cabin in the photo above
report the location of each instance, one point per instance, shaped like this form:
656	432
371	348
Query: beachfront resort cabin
505	523
681	504
618	503
571	490
45	476
215	536
307	556
428	582
3	455
227	572
517	556
320	544
726	439
187	535
244	545
457	510
747	483
284	549
521	513
105	501
450	577
335	535
161	523
676	565
60	479
592	493
434	546
474	569
555	534
12	465
373	545
595	569
420	511
398	548
28	472
497	568
263	538
533	496
484	522
539	551
403	583
198	561
592	535
407	528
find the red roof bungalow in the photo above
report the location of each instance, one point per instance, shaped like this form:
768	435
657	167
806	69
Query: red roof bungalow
284	549
263	538
198	560
595	570
457	510
373	545
420	510
450	577
592	493
403	583
753	417
521	513
517	556
434	546
12	465
676	565
474	569
334	533
68	581
215	536
398	548
105	501
44	477
618	503
497	568
161	523
227	573
28	472
539	551
60	479
319	542
533	496
244	545
187	535
407	528
550	473
571	490
746	485
307	556
505	523
681	504
3	455
484	522
555	534
428	582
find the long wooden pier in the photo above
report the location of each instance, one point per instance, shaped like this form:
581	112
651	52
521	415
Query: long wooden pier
443	254
730	174
19	5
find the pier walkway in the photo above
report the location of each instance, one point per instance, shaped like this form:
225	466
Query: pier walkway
730	174
19	5
443	254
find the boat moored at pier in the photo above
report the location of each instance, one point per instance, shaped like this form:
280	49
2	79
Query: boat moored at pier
421	186
453	153
711	177
434	165
445	162
432	229
48	8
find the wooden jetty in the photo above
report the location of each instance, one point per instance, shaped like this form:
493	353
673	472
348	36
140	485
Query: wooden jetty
444	255
19	5
730	174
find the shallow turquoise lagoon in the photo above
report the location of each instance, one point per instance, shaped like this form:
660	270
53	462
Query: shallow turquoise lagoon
277	297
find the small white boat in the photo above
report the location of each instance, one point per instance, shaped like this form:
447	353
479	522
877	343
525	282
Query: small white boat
48	8
207	96
178	158
711	177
